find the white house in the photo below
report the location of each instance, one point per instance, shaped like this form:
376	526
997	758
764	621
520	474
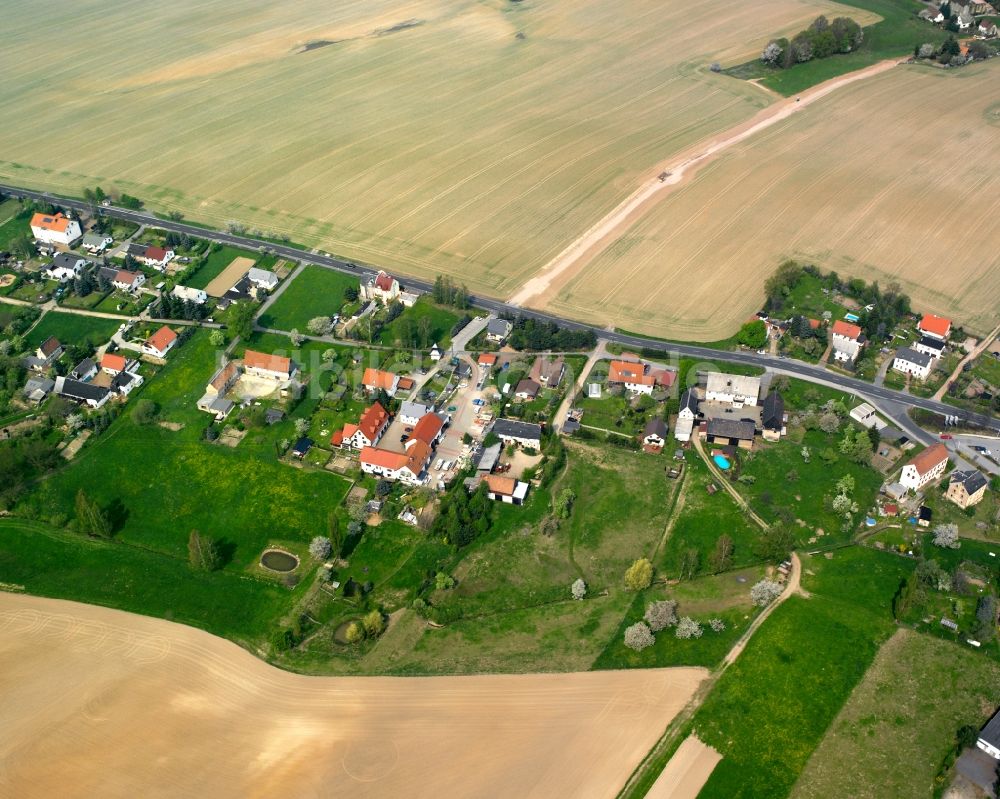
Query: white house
910	362
65	266
156	257
197	296
735	390
263	279
632	375
928	466
686	416
986	29
128	281
125	382
160	343
55	229
412	412
383	287
404	467
270	367
930	346
366	433
97	242
497	330
511	431
847	341
654	434
84	393
505	489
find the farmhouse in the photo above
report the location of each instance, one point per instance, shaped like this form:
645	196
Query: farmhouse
224	379
935	327
128	281
926	467
505	489
731	432
85	370
511	431
263	279
989	737
366	433
909	361
773	417
631	375
269	367
966	488
383	287
930	346
497	330
548	372
847	341
113	364
686	416
55	229
160	343
654	435
65	266
197	296
404	467
82	393
96	242
375	380
736	390
527	389
36	389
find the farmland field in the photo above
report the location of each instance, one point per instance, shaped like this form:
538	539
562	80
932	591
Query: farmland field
893	199
473	139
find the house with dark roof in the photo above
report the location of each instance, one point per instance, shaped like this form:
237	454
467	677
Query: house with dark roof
82	393
966	488
654	435
65	266
38	388
301	447
527	389
773	417
489	458
85	370
731	432
910	362
548	371
929	345
989	737
525	434
497	330
686	415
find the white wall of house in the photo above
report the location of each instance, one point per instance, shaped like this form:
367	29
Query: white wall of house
910	368
71	234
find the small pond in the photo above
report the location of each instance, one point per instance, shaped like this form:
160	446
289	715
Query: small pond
277	560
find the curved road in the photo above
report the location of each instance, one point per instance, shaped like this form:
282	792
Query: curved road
364	271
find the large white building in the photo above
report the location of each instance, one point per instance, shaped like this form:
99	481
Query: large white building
197	296
928	466
910	362
736	390
55	229
847	341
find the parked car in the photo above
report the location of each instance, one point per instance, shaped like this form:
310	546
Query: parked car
947	436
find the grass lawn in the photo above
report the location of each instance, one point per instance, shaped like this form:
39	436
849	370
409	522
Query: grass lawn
773	706
56	563
121	303
216	263
11	229
85	331
241	495
90	302
314	292
900	722
442	320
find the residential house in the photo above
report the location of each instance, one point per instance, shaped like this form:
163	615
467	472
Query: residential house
524	434
97	242
654	435
435	353
989	737
383	287
979	7
85	370
930	346
269	367
113	364
909	361
375	380
411	412
405	467
82	393
935	326
926	467
106	274
219	407
160	343
49	350
487	360
527	389
128	281
429	430
547	371
497	330
505	489
408	298
966	488
965	19
665	378
156	257
987	29
686	415
736	390
632	376
188	294
366	433
301	447
773	417
123	383
847	341
65	266
137	251
55	229
38	388
263	279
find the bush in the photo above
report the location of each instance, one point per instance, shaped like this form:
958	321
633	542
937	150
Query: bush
661	614
578	589
946	536
717	625
639	575
354	633
765	592
373	623
638	636
688	628
144	412
320	547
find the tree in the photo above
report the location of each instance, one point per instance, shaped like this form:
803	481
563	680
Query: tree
90	519
320	547
424	330
296	337
829	422
765	592
203	552
144	412
639	575
241	316
301	427
688	628
130	202
946	536
926	51
753	334
354	633
23	247
775	543
217	338
717	625
661	614
443	582
722	556
579	588
771	54
690	563
564	503
351	293
373	623
638	636
319	325
334	534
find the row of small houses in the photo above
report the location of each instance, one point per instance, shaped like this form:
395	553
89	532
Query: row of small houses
965	487
965	17
917	360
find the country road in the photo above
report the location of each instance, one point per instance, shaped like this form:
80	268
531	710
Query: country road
670	349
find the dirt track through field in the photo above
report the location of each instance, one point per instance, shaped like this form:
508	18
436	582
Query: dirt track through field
97	702
612	227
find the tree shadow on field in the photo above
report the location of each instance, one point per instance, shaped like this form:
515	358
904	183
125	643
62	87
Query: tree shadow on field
117	515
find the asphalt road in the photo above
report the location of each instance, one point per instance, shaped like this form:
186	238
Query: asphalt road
364	271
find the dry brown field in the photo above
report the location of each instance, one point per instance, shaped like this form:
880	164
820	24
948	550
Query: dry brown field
889	178
98	702
469	138
229	276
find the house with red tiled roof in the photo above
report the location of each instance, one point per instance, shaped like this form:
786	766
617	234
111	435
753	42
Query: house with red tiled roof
487	360
160	343
847	339
156	257
55	229
383	287
113	364
128	281
375	380
428	429
926	467
632	375
935	326
405	467
269	367
366	433
505	489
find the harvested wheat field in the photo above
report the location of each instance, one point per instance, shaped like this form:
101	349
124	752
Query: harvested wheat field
97	702
886	178
687	771
434	136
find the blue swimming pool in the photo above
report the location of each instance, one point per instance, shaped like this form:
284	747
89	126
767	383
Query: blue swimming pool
851	317
721	461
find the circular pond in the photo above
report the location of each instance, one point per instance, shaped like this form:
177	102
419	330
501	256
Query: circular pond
277	560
